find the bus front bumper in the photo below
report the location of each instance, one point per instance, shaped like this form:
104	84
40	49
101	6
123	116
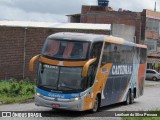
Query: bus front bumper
75	105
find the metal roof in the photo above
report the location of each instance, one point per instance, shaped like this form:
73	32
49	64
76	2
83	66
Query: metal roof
56	25
77	36
153	60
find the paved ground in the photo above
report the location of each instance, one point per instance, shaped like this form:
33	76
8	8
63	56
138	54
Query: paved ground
149	101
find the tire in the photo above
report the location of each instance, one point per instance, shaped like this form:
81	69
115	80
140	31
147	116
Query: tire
154	79
131	100
127	99
96	105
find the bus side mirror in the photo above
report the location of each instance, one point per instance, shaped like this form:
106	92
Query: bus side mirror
86	66
31	63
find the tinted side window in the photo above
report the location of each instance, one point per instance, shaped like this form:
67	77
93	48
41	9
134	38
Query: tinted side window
143	55
126	54
152	72
96	50
119	54
107	56
122	54
147	71
95	53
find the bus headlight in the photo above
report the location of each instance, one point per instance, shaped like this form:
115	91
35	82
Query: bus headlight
78	98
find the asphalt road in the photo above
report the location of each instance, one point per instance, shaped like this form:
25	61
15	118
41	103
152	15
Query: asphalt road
149	101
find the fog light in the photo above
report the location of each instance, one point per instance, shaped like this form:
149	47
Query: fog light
38	94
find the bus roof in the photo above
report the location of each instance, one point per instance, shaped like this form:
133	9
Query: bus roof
118	40
93	38
77	36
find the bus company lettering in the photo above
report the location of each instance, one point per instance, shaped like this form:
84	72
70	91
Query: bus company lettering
121	69
55	95
74	95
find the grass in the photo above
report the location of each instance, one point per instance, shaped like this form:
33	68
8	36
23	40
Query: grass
16	91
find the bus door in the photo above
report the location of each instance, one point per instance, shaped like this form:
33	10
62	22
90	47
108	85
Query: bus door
111	83
106	66
95	53
91	75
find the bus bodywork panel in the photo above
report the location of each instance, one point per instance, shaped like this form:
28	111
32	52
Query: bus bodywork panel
116	86
58	100
118	75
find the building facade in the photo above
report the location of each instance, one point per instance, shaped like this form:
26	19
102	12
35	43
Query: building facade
147	25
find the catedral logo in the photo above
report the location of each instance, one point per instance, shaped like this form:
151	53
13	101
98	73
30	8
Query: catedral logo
121	69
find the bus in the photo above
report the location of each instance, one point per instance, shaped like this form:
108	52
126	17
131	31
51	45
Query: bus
79	71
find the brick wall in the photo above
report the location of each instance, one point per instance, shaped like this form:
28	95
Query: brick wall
11	51
17	42
104	16
152	35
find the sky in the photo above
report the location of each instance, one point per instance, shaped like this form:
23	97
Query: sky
56	10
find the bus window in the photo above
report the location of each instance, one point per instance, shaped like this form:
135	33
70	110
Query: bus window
88	81
111	53
96	50
68	50
137	56
126	51
61	49
107	56
95	53
85	49
77	50
51	48
142	55
114	53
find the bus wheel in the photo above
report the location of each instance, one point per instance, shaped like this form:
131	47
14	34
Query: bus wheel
96	105
128	98
131	98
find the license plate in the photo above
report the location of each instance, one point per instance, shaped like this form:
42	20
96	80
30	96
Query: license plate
55	105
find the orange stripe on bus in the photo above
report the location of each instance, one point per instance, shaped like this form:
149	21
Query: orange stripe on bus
141	78
114	40
61	63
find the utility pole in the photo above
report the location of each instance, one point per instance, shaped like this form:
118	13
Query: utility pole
155	7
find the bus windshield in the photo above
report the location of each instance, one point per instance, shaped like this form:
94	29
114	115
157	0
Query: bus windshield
60	78
63	49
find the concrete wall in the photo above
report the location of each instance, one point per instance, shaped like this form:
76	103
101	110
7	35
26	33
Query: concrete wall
124	31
